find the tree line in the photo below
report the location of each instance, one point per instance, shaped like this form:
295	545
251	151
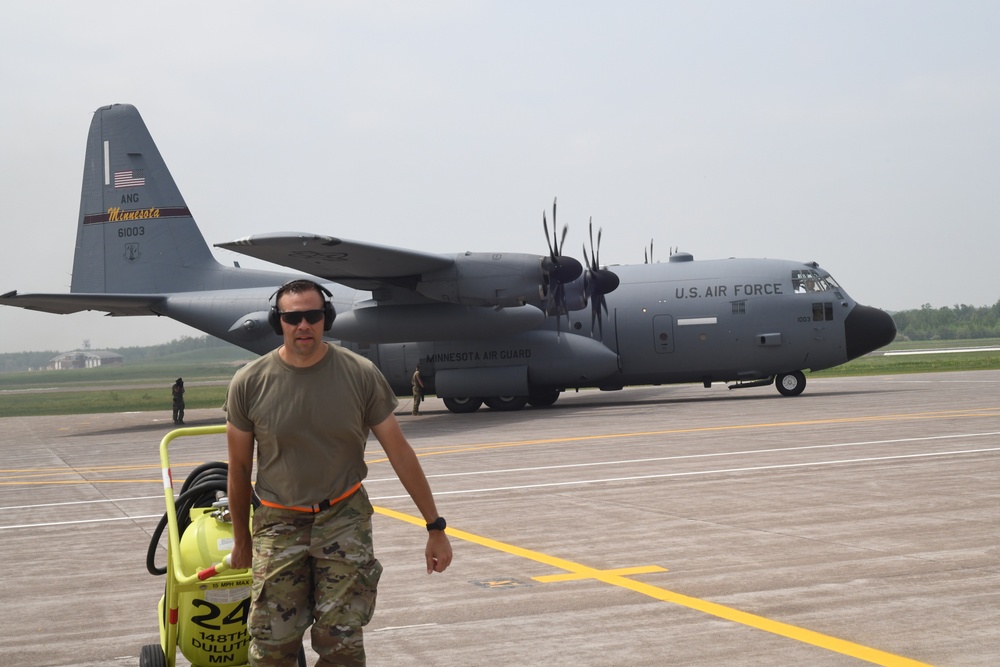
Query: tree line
959	322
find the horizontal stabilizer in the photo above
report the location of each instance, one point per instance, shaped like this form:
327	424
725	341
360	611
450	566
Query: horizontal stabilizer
116	305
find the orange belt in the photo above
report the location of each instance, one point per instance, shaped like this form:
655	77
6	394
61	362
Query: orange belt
319	507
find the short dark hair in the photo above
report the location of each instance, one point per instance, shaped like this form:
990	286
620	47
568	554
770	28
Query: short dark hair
298	287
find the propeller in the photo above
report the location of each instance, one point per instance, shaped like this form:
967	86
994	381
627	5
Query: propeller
597	281
558	268
649	257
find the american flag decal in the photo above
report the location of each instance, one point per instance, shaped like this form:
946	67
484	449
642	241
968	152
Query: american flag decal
133	178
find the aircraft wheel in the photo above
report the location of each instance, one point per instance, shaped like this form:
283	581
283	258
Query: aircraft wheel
151	655
506	403
791	384
461	406
543	399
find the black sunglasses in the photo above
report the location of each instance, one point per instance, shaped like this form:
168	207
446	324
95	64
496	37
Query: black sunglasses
293	317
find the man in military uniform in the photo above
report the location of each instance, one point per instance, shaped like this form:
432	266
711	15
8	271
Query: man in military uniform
178	394
309	406
418	390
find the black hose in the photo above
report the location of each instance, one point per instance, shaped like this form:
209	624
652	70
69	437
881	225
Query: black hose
203	471
206	484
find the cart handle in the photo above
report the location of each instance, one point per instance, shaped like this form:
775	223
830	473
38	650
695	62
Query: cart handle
218	568
173	535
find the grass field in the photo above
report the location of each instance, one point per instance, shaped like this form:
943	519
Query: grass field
129	388
201	365
146	387
881	364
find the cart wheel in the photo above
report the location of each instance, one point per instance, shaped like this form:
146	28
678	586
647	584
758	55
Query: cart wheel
152	656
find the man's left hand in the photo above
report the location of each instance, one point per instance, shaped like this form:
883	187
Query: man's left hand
438	551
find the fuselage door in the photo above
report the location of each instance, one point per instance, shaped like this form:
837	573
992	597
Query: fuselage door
663	334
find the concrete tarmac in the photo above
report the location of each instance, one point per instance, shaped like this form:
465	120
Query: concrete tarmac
854	524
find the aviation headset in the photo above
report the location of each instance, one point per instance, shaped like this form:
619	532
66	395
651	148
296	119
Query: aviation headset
274	315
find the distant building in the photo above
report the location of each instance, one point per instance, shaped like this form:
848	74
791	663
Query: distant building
85	359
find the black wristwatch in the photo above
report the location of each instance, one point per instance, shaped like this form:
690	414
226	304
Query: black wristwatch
438	524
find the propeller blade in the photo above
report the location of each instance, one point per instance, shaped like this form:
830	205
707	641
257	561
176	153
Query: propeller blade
558	269
545	226
597	281
590	227
554	225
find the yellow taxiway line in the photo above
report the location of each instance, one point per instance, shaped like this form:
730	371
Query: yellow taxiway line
619	578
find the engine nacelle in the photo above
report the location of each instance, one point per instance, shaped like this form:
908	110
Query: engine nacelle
436	321
575	294
251	326
488	279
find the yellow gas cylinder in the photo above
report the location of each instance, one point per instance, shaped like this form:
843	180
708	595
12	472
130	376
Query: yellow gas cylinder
212	621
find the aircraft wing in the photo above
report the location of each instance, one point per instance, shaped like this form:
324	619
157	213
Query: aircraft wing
116	305
364	266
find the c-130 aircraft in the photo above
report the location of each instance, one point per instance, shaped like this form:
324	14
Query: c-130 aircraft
504	329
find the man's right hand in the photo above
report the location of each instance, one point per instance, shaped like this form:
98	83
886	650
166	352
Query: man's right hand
241	557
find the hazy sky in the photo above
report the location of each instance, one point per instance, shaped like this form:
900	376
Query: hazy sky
862	135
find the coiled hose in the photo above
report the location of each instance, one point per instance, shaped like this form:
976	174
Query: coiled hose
205	485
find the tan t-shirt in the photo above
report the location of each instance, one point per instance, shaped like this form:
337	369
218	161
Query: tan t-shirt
310	424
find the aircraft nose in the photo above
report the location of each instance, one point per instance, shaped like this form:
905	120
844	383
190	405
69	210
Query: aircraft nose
867	329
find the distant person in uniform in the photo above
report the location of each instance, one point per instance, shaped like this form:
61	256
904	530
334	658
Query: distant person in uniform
418	390
178	392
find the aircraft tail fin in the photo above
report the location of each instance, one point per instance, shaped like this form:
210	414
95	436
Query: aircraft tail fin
135	233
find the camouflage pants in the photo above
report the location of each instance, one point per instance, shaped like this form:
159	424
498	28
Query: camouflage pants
312	569
418	396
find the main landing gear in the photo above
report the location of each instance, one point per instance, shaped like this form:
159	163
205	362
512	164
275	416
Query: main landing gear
538	399
788	384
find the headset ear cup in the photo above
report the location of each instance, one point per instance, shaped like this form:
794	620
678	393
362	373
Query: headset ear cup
329	314
274	320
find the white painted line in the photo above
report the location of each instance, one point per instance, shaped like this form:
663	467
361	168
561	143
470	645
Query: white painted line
82	502
71	523
720	471
697	456
717	471
942	351
405	627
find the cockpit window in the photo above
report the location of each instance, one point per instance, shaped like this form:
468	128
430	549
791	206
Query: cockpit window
808	280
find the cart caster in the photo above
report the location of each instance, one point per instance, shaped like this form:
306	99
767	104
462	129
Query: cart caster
151	655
